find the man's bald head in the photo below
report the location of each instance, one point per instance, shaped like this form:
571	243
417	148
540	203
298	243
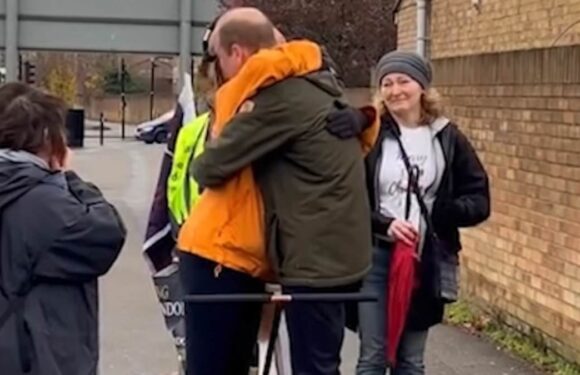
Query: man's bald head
246	27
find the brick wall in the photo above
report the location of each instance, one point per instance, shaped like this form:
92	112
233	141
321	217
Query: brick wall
521	110
509	72
457	27
406	19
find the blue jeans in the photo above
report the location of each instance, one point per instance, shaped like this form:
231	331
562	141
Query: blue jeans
372	361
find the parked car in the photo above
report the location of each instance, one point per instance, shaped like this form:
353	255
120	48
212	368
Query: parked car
154	131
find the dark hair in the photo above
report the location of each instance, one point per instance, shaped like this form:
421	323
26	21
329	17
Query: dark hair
250	34
32	121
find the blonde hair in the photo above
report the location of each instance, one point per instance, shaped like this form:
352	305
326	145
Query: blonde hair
431	105
205	82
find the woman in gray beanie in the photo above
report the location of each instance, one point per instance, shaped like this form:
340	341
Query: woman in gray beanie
453	191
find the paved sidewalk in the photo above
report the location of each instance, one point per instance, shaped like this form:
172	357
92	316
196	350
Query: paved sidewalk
454	352
451	351
133	339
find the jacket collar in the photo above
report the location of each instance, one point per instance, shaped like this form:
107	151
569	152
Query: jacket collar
22	157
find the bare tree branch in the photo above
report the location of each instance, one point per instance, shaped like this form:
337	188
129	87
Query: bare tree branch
356	33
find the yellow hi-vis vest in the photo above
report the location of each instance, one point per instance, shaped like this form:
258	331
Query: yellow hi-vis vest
182	190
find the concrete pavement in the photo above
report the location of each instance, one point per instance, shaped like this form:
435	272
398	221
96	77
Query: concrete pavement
450	351
133	337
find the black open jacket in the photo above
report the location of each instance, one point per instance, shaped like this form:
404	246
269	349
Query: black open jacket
462	200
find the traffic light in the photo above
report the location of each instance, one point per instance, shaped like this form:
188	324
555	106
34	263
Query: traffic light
29	73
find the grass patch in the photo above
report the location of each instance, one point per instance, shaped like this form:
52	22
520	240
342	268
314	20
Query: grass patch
530	348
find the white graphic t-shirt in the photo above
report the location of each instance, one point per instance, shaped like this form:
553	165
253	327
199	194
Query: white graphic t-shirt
393	176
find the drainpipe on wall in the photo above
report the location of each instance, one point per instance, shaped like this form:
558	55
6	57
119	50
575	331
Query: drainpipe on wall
422	27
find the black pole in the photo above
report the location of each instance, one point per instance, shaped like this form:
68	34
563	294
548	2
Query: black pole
102	129
123	99
152	90
280	298
20	75
273	337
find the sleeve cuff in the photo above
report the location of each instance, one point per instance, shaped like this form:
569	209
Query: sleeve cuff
380	224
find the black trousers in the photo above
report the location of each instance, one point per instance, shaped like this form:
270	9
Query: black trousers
316	332
220	337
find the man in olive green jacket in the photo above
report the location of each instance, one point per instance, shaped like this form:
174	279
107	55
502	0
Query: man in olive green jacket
312	182
316	206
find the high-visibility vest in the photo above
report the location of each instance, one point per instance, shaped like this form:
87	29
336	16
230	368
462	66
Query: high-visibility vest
182	190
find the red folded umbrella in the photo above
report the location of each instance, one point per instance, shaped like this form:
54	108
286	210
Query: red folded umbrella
403	279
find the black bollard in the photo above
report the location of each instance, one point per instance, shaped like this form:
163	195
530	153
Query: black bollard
102	129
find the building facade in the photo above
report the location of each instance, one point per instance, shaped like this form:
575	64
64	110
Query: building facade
509	71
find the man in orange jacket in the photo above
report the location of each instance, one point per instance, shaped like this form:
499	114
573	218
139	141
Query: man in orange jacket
273	169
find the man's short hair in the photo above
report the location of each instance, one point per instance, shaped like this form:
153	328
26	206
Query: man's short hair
249	34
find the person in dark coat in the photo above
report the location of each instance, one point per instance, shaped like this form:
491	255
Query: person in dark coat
57	236
454	187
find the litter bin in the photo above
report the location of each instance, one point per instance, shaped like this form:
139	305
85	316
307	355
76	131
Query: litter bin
75	127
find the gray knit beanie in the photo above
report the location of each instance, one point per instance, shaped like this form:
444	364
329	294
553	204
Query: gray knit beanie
408	63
